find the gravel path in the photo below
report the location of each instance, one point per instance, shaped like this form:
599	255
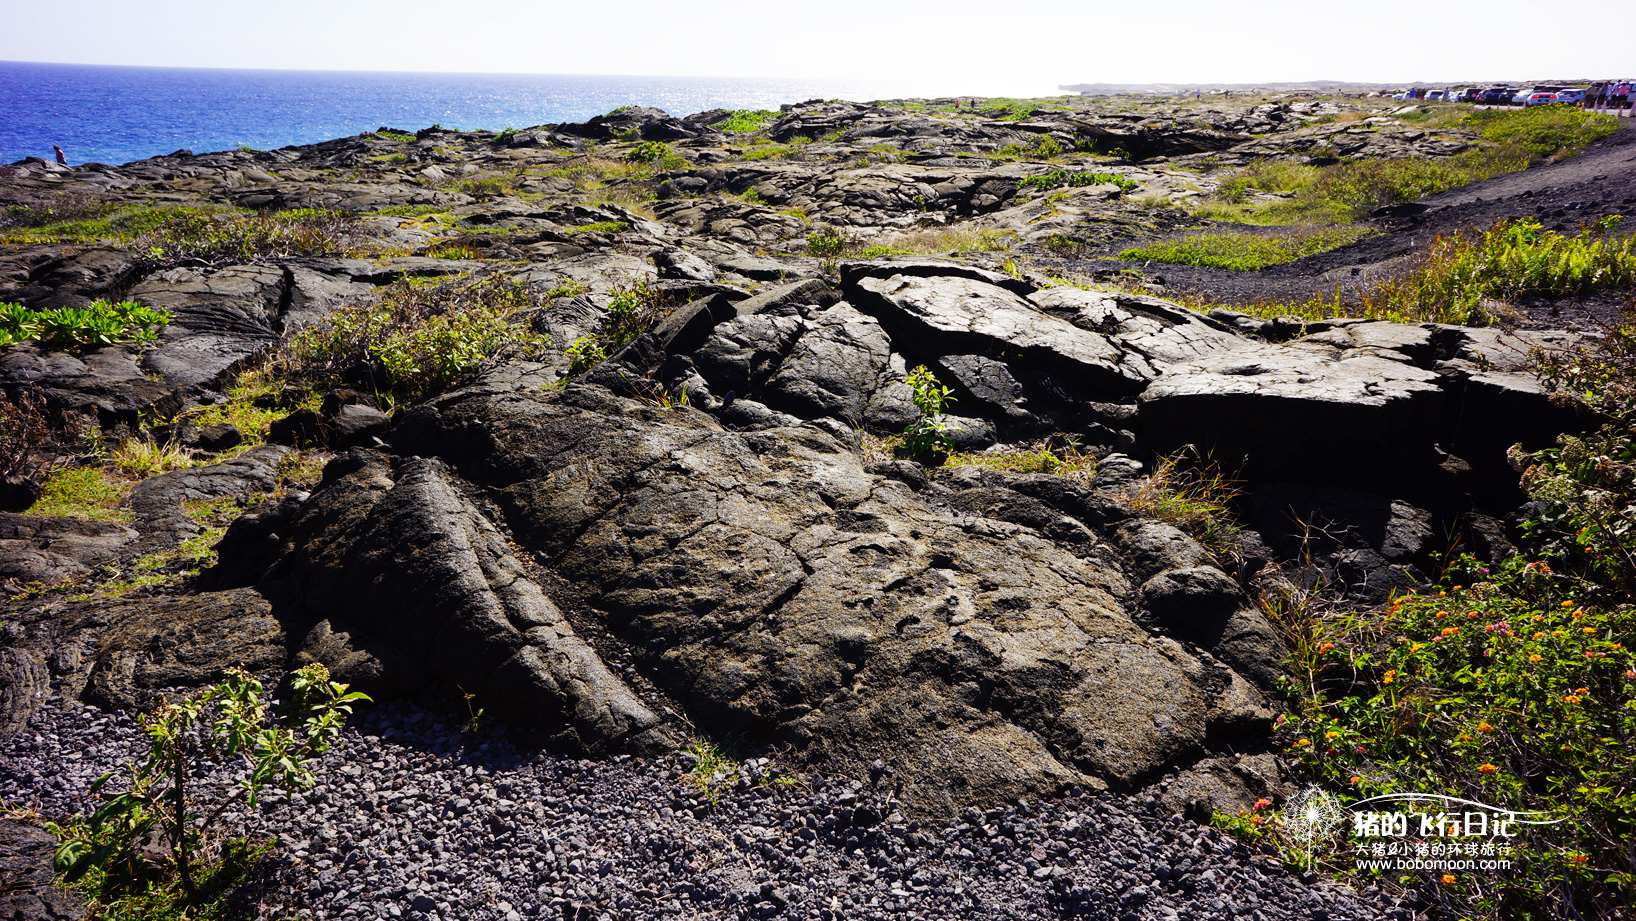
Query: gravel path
416	821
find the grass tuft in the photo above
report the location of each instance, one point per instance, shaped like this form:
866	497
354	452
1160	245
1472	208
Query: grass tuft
1241	251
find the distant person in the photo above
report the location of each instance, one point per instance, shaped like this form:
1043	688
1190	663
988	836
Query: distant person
62	158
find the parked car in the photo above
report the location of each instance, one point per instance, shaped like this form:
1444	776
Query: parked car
1434	96
1472	95
1498	96
1539	99
1571	97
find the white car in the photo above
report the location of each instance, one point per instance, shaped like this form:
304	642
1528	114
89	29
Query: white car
1434	96
1540	99
1572	97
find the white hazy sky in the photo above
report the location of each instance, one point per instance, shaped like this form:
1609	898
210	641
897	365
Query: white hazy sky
951	46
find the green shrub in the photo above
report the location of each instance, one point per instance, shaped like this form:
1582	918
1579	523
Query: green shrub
826	243
214	238
1509	686
585	353
658	154
1519	259
101	323
1042	147
102	852
928	436
417	341
768	152
632	311
744	121
1513	683
1245	251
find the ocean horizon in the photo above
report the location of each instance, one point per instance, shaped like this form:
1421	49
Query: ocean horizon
115	114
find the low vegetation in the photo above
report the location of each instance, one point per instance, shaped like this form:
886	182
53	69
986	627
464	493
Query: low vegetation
101	323
417	339
1349	190
1056	457
744	121
1058	178
82	492
1245	251
1191	491
928	436
230	726
169	235
1467	278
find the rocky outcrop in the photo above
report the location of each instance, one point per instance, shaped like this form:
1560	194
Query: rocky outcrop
698	535
28	884
766	583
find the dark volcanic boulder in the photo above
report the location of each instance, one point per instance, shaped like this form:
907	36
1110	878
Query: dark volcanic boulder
182	641
28	884
649	124
51	550
397	552
764	582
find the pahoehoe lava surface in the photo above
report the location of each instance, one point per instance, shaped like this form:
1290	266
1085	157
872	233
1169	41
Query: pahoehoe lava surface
1006	695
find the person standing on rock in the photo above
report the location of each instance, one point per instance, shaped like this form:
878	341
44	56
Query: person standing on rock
62	158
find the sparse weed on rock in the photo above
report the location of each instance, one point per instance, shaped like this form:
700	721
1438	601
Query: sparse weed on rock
417	341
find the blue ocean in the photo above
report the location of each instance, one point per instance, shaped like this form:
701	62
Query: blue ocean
118	114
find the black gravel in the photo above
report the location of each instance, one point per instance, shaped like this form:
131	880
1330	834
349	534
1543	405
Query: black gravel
415	820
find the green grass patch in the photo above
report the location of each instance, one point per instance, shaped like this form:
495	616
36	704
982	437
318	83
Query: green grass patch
122	225
1512	261
82	492
744	121
602	227
1244	251
1457	278
241	411
767	152
1041	458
